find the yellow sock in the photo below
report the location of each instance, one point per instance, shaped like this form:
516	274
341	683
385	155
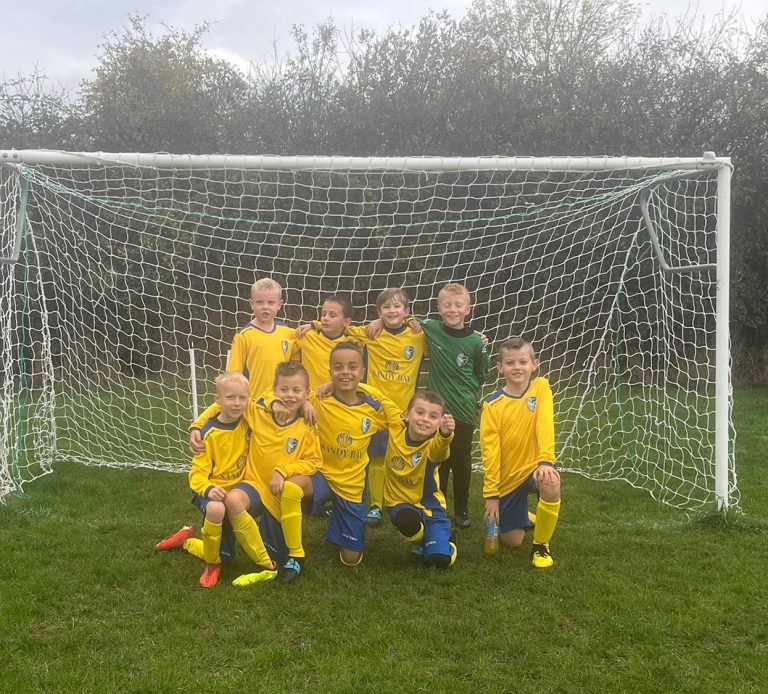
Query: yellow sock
290	511
194	545
248	535
546	520
211	541
376	481
418	537
346	563
455	553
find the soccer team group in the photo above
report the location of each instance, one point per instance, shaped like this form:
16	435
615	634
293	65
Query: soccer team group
313	419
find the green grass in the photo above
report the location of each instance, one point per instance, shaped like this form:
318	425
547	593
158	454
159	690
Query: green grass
641	599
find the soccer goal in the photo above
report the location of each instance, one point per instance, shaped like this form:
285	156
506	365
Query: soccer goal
124	277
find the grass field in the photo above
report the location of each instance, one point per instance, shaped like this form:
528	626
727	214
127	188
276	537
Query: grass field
641	599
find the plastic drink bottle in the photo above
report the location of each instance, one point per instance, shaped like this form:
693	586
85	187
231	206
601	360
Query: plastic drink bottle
491	543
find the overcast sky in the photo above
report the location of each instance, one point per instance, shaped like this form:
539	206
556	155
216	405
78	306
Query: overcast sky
62	37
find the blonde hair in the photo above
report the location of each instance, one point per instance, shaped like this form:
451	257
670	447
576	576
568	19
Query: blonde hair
230	377
267	284
455	289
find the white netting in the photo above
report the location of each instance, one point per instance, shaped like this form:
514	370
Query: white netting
123	269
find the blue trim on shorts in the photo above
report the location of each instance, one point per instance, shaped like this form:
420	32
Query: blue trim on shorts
513	507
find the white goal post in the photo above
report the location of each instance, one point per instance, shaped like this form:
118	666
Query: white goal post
115	268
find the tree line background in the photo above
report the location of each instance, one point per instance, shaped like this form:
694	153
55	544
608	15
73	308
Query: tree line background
512	77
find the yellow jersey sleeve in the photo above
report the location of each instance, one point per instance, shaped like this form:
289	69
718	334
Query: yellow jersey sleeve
545	424
392	415
308	460
490	447
356	333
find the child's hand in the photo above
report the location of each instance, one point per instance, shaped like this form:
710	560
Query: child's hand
414	325
324	390
374	328
217	494
491	509
281	413
276	483
483	337
304	329
546	474
196	445
310	413
447	425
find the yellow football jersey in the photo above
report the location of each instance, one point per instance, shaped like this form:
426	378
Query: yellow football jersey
392	363
316	352
290	449
345	434
516	434
255	353
224	460
410	467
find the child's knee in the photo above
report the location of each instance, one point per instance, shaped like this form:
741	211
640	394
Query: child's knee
513	538
550	491
236	502
350	557
215	511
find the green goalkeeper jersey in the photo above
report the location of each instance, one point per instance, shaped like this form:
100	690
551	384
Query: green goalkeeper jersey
459	364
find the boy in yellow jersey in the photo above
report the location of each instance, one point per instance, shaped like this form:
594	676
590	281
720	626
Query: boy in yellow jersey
347	420
317	340
214	473
283	455
517	437
264	342
412	494
392	364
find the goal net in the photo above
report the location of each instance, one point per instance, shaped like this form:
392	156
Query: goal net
132	267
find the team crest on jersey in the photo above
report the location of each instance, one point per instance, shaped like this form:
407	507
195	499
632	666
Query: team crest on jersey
241	461
291	444
391	365
344	439
397	462
462	359
365	425
409	352
531	402
284	345
415	458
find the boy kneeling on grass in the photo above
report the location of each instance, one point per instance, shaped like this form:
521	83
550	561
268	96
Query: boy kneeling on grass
517	438
214	472
417	446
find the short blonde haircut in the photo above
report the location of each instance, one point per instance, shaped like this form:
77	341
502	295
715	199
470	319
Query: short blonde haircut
455	289
230	378
267	284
